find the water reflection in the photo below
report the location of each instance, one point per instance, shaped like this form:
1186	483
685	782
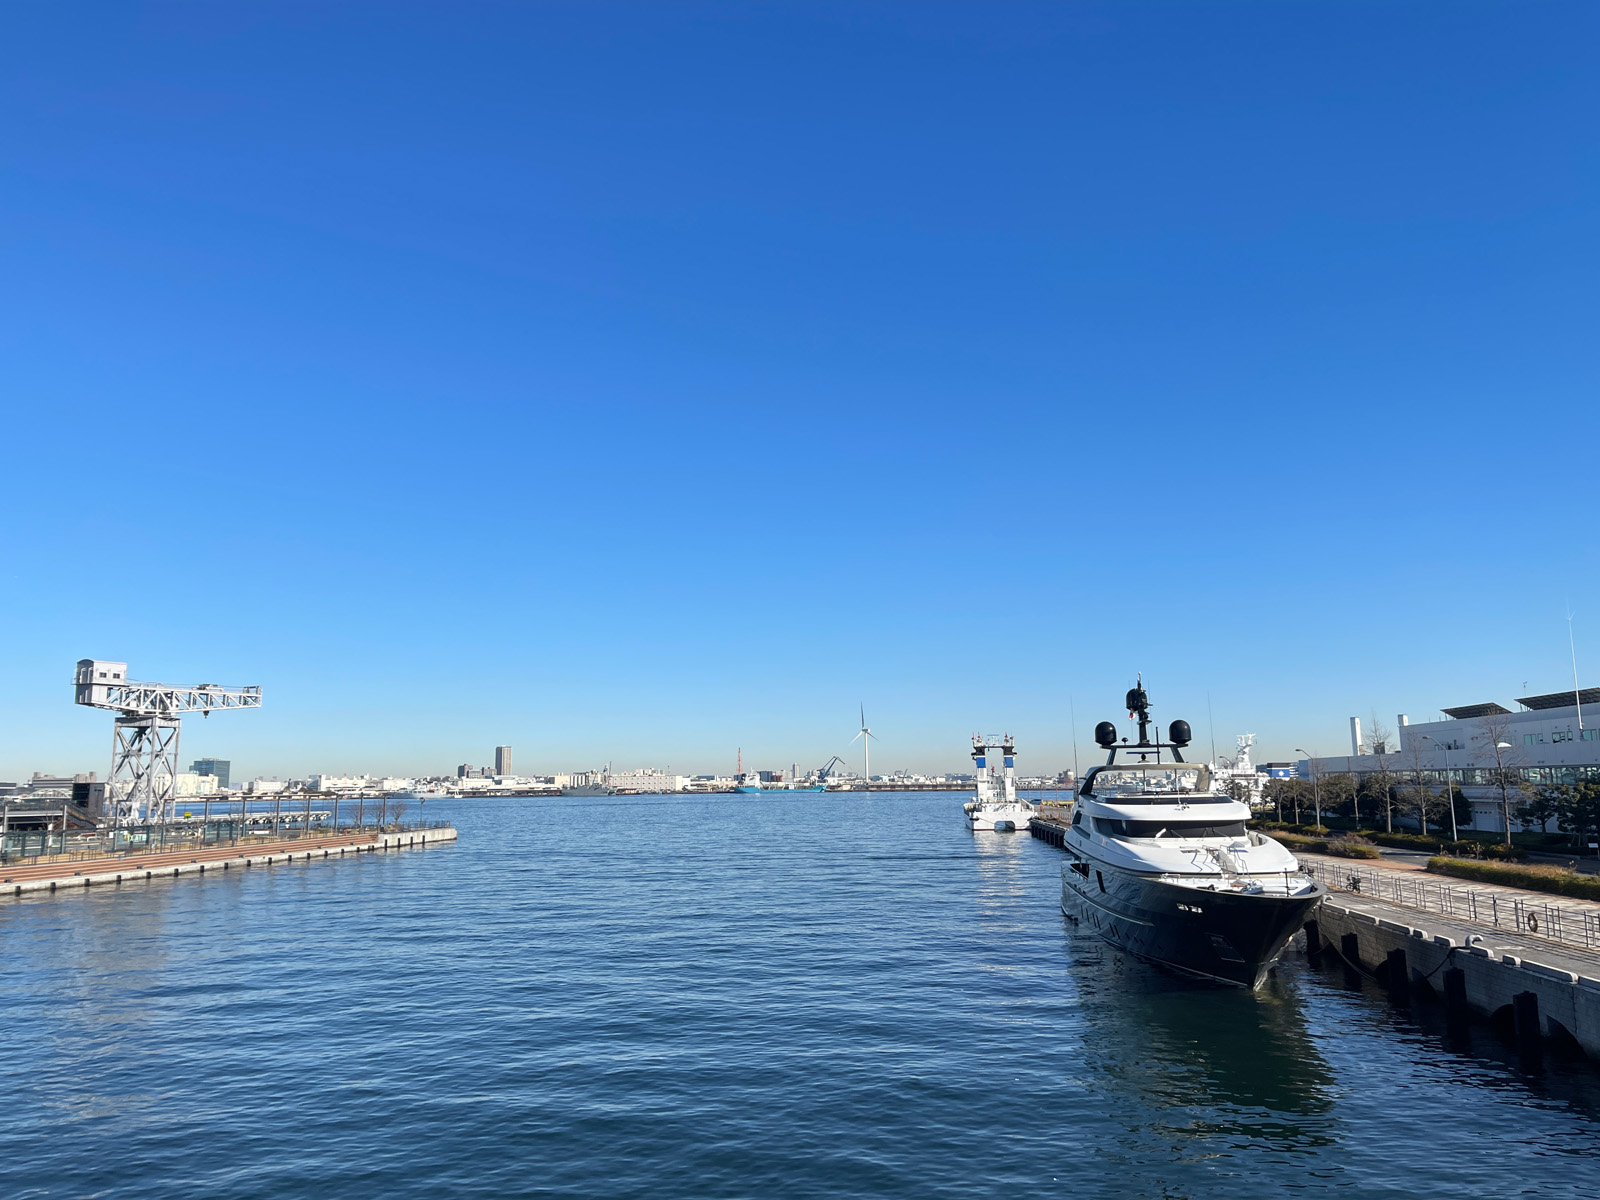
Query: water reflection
1224	1062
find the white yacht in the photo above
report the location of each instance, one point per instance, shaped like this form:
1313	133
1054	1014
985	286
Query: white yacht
989	811
1163	866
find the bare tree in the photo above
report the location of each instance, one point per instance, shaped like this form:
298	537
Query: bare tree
1421	790
1380	743
1495	734
397	809
1238	789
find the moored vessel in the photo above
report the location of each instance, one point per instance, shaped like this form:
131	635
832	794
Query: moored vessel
991	810
1163	866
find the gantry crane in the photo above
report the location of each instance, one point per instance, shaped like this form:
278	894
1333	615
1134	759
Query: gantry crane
144	743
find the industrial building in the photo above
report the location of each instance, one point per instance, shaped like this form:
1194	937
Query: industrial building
1549	739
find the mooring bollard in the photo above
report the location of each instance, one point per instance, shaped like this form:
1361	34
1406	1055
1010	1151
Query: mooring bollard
1525	1010
1397	976
1455	997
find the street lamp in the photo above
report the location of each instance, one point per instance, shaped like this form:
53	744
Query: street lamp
1316	793
1449	796
1500	775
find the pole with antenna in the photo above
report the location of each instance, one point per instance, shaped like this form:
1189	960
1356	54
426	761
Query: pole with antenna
1577	696
1212	722
1073	709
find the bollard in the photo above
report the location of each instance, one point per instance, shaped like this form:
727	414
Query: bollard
1455	997
1525	1011
1397	977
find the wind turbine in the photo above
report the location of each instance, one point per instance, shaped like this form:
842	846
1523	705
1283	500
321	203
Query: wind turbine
867	738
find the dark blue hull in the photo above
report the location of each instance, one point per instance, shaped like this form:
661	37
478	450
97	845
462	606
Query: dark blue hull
1230	936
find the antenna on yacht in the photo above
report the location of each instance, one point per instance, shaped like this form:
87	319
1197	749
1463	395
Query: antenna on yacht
1179	735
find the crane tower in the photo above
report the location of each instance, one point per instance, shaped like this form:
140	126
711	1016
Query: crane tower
144	739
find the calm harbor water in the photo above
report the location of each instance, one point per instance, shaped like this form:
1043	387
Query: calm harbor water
716	996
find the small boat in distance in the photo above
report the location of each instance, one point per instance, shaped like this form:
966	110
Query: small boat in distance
421	794
1163	866
988	811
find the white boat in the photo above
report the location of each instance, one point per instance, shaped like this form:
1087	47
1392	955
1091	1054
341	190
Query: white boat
1162	865
992	811
421	794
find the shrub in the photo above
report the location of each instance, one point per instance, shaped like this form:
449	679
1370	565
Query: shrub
1338	847
1557	880
1343	848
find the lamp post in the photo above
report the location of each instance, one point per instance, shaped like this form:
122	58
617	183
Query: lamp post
1500	774
1316	793
1449	796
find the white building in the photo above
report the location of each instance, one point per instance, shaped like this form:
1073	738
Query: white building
1550	739
386	783
262	787
647	780
187	783
338	783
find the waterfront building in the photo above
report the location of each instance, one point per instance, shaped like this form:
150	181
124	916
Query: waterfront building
1551	739
212	766
338	783
262	787
648	780
191	783
502	760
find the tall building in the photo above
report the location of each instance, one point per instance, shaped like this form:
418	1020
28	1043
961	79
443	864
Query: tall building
212	766
502	760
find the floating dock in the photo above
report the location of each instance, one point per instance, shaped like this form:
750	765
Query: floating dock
112	871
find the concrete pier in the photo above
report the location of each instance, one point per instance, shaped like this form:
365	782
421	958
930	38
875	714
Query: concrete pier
1536	990
130	868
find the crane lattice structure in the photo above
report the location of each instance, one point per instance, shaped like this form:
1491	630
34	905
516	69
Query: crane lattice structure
143	783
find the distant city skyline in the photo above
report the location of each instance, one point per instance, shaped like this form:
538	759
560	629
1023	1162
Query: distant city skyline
639	384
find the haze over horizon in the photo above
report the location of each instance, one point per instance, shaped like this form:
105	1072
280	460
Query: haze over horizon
637	383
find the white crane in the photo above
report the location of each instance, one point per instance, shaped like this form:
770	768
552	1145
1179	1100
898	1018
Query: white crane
867	737
144	740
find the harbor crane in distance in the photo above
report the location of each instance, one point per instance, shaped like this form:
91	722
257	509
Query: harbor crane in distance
827	769
142	786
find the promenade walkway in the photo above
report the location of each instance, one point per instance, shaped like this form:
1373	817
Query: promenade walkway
115	869
1508	911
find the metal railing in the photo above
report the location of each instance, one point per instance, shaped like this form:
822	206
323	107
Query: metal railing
34	847
1550	921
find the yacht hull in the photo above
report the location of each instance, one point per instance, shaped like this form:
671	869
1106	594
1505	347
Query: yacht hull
1229	936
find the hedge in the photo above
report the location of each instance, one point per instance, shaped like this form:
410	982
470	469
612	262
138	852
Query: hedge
1557	880
1337	847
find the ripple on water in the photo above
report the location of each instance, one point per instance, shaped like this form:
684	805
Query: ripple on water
816	995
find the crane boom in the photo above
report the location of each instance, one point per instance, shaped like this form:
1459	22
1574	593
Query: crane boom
144	746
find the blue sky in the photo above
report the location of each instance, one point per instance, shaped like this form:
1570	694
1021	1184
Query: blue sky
641	382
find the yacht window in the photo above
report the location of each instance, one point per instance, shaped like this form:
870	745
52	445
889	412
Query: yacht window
1169	829
1077	817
